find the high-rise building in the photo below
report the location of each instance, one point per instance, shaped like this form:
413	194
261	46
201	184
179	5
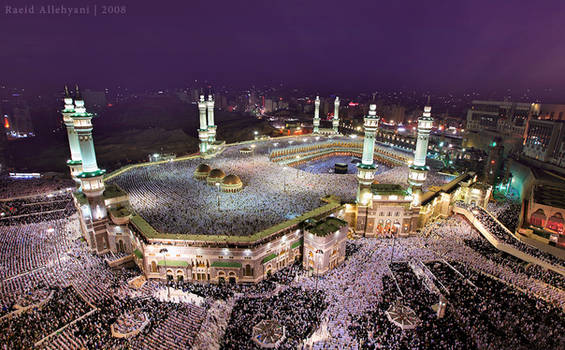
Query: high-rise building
492	169
545	141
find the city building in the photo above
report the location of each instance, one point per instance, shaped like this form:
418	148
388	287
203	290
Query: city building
544	141
545	213
324	244
489	119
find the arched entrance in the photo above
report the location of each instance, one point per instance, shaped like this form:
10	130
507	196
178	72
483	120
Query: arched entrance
153	266
232	279
538	218
180	275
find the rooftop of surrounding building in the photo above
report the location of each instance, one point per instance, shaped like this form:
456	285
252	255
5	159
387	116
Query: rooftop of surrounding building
446	188
388	189
326	226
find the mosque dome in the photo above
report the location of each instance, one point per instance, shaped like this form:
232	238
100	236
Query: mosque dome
215	176
231	183
202	171
231	180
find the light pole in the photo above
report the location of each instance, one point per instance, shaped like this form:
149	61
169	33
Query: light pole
164	251
284	179
218	195
255	133
396	225
318	254
297	170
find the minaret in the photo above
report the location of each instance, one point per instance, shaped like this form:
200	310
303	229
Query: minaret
335	121
203	131
366	170
91	177
316	116
419	170
211	126
75	163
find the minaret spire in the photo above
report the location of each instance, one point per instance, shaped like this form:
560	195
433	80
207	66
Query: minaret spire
366	170
77	95
211	125
203	131
335	121
75	161
419	170
316	122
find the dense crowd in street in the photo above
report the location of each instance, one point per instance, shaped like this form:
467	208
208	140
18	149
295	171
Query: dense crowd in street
17	188
495	301
297	310
499	231
496	315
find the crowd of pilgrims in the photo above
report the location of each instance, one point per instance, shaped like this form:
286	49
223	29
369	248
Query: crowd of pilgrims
374	330
507	211
497	230
484	248
296	309
173	201
11	188
497	316
25	210
46	257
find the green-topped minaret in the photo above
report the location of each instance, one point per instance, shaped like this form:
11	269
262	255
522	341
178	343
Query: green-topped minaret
419	170
203	131
91	177
366	170
75	162
211	126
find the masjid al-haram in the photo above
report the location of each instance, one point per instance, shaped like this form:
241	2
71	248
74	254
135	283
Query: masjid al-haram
314	241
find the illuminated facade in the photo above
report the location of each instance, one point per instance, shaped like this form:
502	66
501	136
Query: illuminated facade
75	163
545	212
316	122
324	245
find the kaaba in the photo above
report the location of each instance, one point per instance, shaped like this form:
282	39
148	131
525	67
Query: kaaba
340	168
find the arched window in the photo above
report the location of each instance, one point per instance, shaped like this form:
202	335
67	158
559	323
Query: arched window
538	218
248	270
556	222
153	266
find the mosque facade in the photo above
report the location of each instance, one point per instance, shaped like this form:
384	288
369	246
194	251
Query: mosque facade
316	239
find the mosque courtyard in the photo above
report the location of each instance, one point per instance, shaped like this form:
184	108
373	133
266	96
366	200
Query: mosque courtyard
170	199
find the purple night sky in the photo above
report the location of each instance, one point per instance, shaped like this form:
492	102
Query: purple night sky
336	45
